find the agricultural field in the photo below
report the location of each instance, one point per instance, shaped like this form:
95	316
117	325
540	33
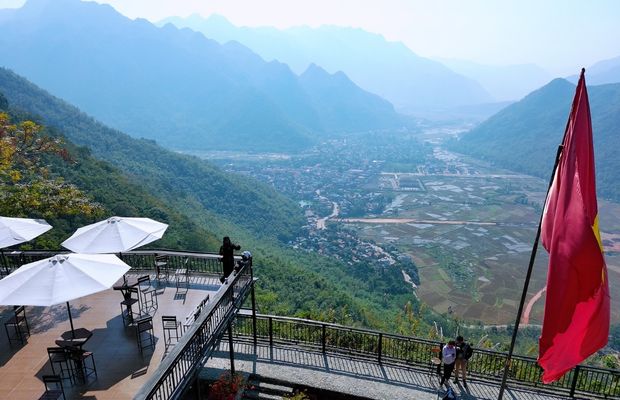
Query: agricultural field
469	229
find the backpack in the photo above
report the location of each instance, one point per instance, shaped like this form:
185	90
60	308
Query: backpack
468	351
449	395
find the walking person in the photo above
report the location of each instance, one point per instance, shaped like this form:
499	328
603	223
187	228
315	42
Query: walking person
463	353
448	356
227	251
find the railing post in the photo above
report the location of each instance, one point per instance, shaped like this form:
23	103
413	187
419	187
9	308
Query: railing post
380	347
573	385
253	307
270	332
197	380
231	350
323	337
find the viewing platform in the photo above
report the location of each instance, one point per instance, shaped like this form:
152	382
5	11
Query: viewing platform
342	360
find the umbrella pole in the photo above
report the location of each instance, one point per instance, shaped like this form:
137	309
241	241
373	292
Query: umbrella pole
71	321
120	255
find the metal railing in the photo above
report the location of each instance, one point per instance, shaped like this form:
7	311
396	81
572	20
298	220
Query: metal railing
583	381
180	365
139	260
179	368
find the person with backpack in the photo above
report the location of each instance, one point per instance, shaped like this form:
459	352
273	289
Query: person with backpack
448	356
464	351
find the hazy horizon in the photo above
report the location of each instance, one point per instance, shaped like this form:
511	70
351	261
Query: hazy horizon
559	36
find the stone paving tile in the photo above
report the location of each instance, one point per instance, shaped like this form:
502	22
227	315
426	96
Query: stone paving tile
121	369
364	378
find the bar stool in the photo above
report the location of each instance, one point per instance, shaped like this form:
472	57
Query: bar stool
148	295
54	389
127	312
19	324
58	356
81	368
172	327
161	266
144	333
182	279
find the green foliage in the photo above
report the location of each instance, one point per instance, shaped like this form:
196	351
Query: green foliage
297	396
4	103
533	128
191	186
26	187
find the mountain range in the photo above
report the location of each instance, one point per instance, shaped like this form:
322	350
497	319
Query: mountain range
178	87
602	72
525	135
389	69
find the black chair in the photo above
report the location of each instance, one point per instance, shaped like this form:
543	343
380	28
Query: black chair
161	266
182	279
19	325
54	389
127	311
80	363
144	333
59	358
148	295
172	328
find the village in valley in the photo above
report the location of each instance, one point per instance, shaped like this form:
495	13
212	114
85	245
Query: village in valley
460	230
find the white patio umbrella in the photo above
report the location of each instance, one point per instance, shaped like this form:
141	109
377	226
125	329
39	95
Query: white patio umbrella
115	235
18	230
61	278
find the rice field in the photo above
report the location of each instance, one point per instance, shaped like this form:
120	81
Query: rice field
471	236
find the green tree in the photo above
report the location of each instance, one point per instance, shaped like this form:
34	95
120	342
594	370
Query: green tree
26	186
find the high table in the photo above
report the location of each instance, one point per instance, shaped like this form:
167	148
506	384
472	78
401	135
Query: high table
76	338
73	342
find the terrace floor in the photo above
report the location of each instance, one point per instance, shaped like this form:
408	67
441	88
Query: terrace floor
121	369
343	374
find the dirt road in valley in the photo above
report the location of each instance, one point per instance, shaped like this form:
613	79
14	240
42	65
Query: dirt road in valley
320	223
525	318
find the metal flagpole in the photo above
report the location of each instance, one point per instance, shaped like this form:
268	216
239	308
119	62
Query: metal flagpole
526	284
531	265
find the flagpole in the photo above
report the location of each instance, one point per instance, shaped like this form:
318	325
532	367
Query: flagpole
532	259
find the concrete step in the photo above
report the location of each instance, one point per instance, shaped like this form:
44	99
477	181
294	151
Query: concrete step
256	395
268	389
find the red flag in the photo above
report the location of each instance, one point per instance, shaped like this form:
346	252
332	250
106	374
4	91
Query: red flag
576	322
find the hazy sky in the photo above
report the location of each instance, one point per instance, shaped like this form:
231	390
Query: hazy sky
559	35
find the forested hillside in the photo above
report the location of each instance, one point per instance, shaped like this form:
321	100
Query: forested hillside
110	192
189	183
137	177
525	135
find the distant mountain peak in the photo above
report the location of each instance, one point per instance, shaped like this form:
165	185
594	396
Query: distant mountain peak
314	69
216	19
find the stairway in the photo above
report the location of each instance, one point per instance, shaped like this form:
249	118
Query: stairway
258	387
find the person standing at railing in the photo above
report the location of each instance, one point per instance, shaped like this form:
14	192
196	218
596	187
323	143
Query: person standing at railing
448	356
463	354
227	251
